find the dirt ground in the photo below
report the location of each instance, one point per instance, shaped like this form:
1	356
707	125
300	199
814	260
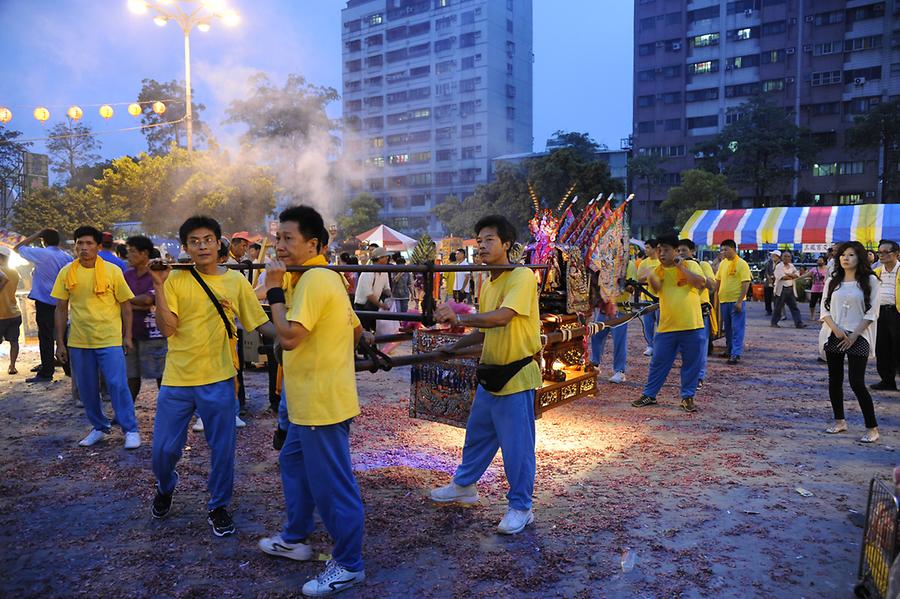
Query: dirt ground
705	502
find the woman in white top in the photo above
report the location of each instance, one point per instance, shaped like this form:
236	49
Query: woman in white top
849	309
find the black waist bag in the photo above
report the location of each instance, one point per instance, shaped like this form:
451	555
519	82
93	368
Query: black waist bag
493	377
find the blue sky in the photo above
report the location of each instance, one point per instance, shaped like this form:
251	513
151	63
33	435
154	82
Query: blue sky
88	52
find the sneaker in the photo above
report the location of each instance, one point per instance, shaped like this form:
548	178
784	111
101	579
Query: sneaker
238	423
699	383
334	579
648	352
800	325
644	401
618	378
39	379
515	521
687	404
733	360
198	426
278	547
93	438
132	440
221	522
455	493
162	503
881	386
775	325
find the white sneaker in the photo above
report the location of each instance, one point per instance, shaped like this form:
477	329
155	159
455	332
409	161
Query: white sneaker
333	580
198	426
454	492
648	352
515	521
618	378
93	437
277	546
238	422
132	440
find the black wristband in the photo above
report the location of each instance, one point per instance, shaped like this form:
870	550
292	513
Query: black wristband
275	295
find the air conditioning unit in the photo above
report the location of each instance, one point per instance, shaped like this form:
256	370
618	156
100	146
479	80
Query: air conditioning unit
660	44
676	45
870	194
807	47
792	20
810	18
790	51
789	80
859	81
748	12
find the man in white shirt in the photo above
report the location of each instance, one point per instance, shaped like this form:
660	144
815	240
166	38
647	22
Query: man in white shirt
785	275
371	287
461	281
887	337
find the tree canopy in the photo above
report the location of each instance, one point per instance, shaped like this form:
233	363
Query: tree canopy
879	129
63	208
70	147
161	138
699	190
362	214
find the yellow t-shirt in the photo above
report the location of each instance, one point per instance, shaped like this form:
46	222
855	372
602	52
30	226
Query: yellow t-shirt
199	352
95	321
647	265
730	285
9	307
630	273
709	274
679	305
521	337
319	374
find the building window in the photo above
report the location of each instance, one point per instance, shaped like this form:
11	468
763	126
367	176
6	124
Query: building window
374	81
869	11
374	61
468	63
671	98
707	39
825	78
647	23
376	19
417	72
700	122
445	155
420	50
444	22
468	130
826	48
354	65
773	56
824	170
702	95
737	91
673	125
701	68
647	101
469	85
647	75
672	71
375	101
510	113
773	85
470	152
353	86
374	40
647	49
396	55
868	42
510	91
860	76
702	14
443	45
824	108
774	28
646	127
742	62
445	66
354	46
739	6
744	33
851	168
467	40
828	18
850	199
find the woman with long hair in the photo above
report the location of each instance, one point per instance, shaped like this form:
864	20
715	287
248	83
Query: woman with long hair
849	309
818	275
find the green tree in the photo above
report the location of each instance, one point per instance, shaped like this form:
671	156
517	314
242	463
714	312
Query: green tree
64	209
12	153
585	147
361	215
71	146
699	190
507	194
164	130
879	129
163	190
758	150
646	168
552	175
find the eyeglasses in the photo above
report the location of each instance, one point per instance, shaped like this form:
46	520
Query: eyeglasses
880	253
195	242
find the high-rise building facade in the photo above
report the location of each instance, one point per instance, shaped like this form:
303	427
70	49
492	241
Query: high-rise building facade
432	90
825	61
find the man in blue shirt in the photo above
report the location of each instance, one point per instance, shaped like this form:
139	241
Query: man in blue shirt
106	251
48	261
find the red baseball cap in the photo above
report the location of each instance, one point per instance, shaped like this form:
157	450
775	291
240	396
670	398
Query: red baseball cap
241	235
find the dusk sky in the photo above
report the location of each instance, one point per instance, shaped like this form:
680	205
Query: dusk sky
59	52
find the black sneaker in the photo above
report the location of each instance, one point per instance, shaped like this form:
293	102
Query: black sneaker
733	360
881	386
162	503
39	378
644	401
221	522
687	404
800	325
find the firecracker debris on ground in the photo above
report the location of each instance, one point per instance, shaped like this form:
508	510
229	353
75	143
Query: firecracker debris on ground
650	502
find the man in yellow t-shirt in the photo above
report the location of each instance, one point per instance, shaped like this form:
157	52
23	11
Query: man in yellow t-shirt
677	283
648	265
509	327
734	281
201	364
318	333
686	249
619	334
94	293
10	316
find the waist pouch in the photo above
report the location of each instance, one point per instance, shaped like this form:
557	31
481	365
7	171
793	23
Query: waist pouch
706	309
493	377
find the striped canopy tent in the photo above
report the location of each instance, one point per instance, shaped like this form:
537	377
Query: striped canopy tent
768	228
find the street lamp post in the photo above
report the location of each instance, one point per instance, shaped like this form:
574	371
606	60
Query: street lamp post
187	14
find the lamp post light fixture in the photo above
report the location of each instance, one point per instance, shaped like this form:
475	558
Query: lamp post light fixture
187	14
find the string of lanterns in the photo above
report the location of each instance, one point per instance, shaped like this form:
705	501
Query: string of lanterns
42	114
